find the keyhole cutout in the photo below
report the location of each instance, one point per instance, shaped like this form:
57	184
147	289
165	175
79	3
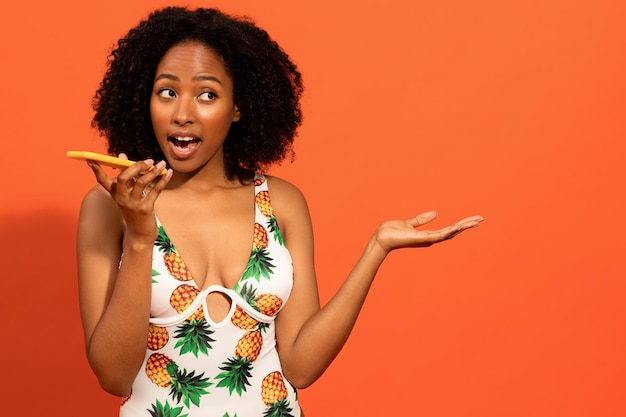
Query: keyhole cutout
218	305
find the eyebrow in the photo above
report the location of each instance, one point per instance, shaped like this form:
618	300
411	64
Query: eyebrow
196	78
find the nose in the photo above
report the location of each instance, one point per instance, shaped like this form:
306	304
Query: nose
184	111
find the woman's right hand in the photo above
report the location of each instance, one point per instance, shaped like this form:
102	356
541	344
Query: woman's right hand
135	191
116	223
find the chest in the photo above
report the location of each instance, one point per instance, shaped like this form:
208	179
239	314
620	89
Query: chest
209	238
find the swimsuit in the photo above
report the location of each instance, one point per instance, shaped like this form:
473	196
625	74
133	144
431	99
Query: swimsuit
195	367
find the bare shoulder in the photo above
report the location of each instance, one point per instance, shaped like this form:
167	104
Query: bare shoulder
290	208
98	211
95	194
97	200
285	196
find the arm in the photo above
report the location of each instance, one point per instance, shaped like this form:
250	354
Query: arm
115	302
310	337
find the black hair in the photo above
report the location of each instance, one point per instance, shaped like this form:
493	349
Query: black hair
267	87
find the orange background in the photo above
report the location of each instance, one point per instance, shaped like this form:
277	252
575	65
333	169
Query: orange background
511	110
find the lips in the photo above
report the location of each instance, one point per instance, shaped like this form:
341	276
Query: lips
183	146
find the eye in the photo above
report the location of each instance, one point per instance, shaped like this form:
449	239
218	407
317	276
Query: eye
167	93
207	96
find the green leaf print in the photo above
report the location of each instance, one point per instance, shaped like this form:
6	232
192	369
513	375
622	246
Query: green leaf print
160	410
187	386
259	265
273	226
195	337
236	375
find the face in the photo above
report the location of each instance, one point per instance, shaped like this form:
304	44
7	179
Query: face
192	107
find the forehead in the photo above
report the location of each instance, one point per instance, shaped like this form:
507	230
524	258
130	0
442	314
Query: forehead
191	58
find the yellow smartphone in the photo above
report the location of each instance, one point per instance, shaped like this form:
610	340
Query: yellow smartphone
108	160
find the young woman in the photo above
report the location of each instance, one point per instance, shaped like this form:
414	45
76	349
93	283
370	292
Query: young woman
198	291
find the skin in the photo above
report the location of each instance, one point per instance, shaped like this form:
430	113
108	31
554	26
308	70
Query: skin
192	97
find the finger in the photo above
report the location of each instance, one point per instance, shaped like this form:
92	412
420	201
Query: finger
157	186
461	227
471	219
424	238
454	234
101	176
422	219
448	232
153	171
125	185
470	222
146	183
131	174
122	156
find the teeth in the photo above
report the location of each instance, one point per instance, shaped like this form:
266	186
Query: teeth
184	139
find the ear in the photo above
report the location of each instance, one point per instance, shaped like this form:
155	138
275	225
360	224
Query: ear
236	114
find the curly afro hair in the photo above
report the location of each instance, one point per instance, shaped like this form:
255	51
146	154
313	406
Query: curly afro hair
267	87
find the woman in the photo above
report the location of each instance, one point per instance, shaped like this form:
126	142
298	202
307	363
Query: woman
198	291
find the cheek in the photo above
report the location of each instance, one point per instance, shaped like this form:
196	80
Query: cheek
217	117
157	116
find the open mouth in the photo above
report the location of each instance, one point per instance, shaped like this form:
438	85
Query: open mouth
184	144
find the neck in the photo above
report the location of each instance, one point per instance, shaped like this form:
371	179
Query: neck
203	180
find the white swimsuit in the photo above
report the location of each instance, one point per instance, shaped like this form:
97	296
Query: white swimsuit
195	367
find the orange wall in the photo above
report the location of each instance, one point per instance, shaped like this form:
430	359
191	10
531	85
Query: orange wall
511	110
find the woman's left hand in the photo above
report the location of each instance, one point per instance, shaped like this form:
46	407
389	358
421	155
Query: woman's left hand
395	234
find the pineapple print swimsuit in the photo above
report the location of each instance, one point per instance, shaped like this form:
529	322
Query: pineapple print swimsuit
195	367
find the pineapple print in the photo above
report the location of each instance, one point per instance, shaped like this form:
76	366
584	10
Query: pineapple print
165	410
263	202
274	395
185	386
157	337
182	372
268	304
182	297
156	369
240	318
259	264
171	258
237	369
194	336
243	320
